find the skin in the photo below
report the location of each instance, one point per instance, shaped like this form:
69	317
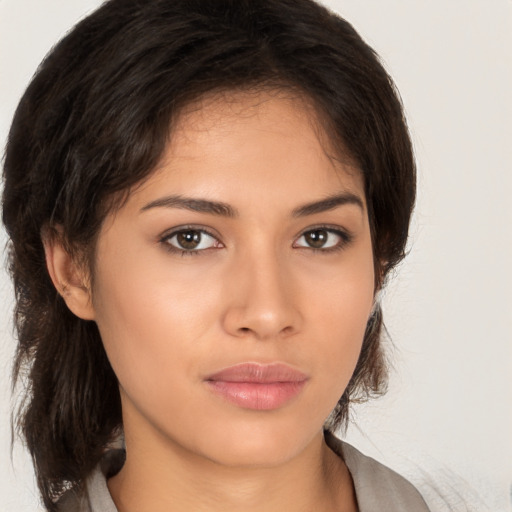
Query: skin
255	291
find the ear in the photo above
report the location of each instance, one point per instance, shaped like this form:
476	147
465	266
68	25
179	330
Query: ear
70	279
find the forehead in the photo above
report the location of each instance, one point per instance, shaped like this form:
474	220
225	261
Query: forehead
253	143
285	113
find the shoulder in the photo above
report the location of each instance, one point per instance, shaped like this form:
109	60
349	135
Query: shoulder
96	496
377	486
71	501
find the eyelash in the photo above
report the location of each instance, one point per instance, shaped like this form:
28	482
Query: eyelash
346	239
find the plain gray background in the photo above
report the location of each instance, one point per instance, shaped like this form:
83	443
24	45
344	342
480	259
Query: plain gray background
446	421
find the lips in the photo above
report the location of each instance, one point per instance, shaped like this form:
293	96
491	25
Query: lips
258	386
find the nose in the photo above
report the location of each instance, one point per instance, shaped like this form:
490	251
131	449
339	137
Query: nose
263	303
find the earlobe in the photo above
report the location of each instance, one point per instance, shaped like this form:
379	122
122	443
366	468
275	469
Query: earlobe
69	278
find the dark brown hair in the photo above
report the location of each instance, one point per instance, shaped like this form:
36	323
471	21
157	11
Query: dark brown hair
94	122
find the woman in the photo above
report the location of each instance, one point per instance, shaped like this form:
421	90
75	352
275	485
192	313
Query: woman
203	200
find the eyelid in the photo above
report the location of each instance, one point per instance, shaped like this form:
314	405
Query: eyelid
189	227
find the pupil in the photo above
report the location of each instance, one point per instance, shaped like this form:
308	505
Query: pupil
189	239
317	238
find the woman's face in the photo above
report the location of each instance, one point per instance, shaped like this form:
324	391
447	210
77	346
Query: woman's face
233	288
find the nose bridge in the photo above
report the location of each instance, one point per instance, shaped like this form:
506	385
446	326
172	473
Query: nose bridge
262	302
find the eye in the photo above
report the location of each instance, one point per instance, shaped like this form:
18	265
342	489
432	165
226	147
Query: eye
190	240
323	239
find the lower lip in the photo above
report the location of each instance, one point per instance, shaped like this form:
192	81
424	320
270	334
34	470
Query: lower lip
261	396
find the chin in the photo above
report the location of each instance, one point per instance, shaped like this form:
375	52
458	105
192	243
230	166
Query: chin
257	444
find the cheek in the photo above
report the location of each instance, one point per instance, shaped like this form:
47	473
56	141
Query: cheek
338	310
152	323
341	296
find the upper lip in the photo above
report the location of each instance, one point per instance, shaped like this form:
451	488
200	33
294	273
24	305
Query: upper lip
258	373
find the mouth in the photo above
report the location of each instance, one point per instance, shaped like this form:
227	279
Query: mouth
257	386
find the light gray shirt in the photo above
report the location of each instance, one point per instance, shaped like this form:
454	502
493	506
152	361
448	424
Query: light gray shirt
377	487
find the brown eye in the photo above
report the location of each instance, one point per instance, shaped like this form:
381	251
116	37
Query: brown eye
322	239
317	238
191	240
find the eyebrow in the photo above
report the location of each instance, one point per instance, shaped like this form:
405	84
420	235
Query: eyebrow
193	204
327	204
225	210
